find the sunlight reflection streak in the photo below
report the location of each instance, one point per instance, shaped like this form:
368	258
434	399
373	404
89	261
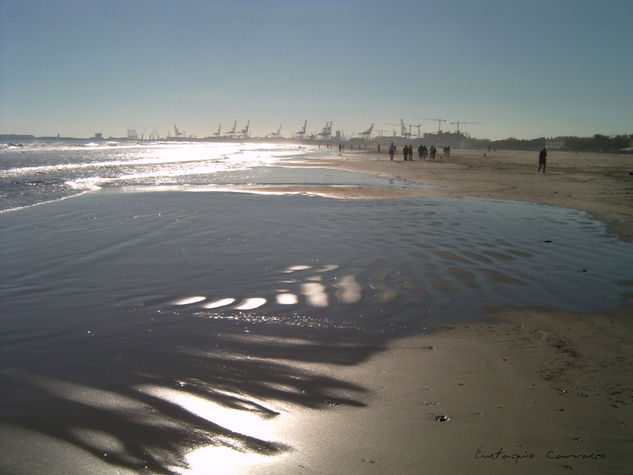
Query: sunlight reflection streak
219	303
251	303
245	422
315	294
348	290
189	300
287	299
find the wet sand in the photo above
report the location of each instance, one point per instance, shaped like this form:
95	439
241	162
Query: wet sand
539	391
529	391
601	184
534	390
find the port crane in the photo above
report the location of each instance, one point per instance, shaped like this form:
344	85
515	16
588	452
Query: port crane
276	134
439	124
419	130
244	132
367	133
217	134
231	132
403	130
302	133
326	132
178	133
458	123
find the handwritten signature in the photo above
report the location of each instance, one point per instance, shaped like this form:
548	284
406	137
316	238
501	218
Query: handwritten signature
502	455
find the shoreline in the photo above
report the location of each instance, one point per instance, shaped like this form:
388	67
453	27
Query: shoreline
600	184
529	390
547	391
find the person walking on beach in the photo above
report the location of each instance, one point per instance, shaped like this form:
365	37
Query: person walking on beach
392	150
542	159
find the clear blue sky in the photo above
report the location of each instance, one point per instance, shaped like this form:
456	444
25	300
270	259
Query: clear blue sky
521	68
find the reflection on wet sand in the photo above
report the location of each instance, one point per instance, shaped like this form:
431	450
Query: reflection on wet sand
158	404
128	339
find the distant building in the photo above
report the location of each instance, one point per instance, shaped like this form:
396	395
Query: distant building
557	143
98	136
444	139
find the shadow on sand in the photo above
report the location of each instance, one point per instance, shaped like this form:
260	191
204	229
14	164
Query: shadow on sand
144	401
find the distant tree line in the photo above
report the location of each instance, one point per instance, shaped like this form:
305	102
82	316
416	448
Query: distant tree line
597	143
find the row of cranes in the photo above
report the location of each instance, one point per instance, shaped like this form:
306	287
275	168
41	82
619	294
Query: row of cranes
406	131
233	133
325	134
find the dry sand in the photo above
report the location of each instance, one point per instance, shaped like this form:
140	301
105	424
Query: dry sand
529	391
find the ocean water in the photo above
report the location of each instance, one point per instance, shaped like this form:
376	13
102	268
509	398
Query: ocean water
35	173
125	314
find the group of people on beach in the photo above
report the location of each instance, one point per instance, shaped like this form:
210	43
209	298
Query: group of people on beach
423	151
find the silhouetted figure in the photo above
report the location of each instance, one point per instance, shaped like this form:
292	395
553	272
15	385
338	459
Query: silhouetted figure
392	150
542	160
420	151
433	152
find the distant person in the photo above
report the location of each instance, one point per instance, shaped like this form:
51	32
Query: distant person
392	150
421	151
405	152
378	146
408	152
542	160
433	152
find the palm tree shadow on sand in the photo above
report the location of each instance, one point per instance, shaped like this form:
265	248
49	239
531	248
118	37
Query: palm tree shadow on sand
134	402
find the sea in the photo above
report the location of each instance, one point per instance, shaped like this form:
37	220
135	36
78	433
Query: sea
140	286
38	172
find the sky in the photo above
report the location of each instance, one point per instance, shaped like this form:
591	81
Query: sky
501	68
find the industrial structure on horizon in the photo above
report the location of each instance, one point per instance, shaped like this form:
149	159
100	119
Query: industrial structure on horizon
411	132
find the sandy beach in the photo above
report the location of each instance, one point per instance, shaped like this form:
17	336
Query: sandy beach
601	184
529	391
117	361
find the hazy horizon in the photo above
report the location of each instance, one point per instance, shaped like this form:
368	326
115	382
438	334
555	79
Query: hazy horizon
501	69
